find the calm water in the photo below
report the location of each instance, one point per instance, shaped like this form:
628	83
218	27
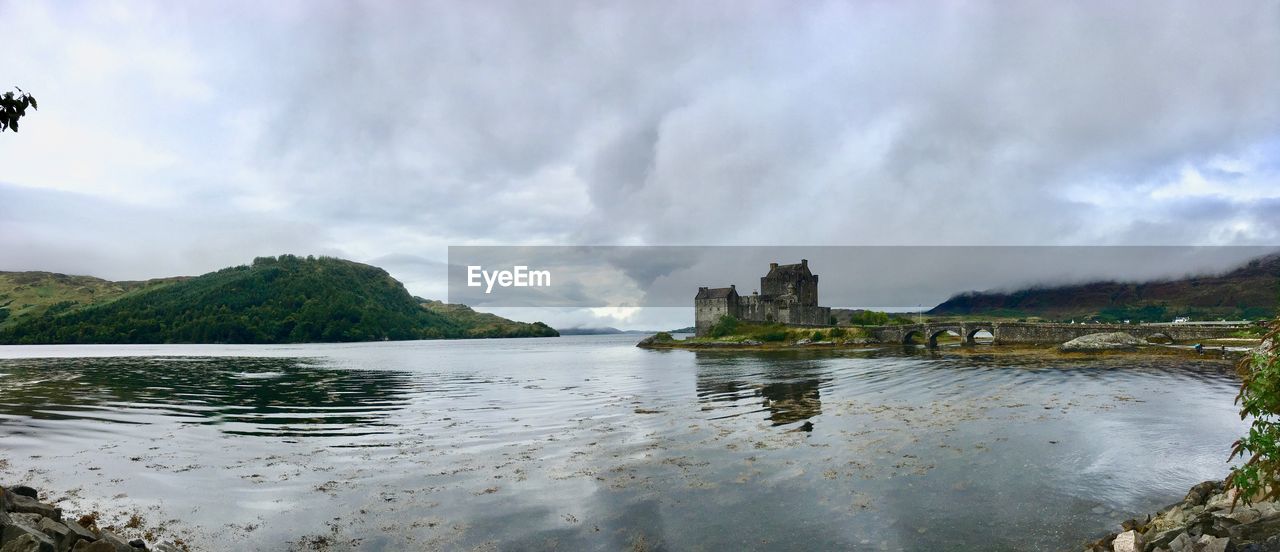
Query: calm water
587	443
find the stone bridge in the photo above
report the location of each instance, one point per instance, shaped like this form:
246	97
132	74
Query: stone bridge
1007	333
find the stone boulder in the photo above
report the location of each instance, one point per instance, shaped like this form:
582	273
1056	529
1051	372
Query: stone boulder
1109	341
1128	541
29	542
23	504
656	339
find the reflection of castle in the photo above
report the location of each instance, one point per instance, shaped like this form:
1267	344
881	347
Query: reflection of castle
788	402
792	402
788	294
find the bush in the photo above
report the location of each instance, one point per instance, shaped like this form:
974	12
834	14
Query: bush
662	337
1259	478
869	318
837	332
725	326
817	335
772	335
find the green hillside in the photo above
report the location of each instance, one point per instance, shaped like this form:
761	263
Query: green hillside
1250	292
24	294
287	299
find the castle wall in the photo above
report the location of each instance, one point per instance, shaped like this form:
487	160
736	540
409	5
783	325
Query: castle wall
757	308
789	297
708	311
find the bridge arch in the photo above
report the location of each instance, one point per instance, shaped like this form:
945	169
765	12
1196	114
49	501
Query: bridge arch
909	337
935	333
971	333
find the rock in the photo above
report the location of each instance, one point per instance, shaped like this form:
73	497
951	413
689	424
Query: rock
1242	514
115	540
166	546
95	546
80	532
15	526
23	490
138	544
660	337
1110	341
1181	543
1271	545
21	503
1256	531
1168	519
1164	539
1222	501
29	542
1201	493
62	536
1128	541
1204	523
804	341
1212	544
21	529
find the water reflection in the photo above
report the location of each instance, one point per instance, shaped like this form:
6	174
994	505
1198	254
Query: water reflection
242	396
788	388
588	443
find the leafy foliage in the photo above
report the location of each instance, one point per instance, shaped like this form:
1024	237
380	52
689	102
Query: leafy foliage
869	318
726	325
1259	478
13	107
288	299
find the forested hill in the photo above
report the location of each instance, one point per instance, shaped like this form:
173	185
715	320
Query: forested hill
286	299
1248	292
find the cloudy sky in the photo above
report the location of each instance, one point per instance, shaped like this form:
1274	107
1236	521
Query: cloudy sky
178	138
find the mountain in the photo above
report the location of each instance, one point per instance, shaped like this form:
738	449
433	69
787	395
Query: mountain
286	299
608	330
1251	291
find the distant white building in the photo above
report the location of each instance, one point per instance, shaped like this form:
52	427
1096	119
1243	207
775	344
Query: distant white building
1181	320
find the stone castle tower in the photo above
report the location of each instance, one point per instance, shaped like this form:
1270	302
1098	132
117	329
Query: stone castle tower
788	294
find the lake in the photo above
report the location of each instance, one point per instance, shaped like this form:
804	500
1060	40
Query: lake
588	443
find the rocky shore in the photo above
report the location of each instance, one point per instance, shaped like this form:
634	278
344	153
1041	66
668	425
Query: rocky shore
1204	521
1109	341
29	525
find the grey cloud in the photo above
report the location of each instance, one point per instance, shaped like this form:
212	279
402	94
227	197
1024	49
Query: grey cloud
389	130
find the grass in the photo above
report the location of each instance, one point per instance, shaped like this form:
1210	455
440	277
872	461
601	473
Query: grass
778	333
24	294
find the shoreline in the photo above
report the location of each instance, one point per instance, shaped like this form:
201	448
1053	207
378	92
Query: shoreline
29	524
1237	351
1208	519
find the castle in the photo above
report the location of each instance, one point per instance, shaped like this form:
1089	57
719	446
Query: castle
788	294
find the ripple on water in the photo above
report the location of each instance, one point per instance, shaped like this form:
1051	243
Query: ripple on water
592	444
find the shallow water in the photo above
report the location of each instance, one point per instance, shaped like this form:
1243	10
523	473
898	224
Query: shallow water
588	443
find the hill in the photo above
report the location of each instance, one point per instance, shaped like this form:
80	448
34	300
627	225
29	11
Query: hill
1251	291
608	330
25	294
287	299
